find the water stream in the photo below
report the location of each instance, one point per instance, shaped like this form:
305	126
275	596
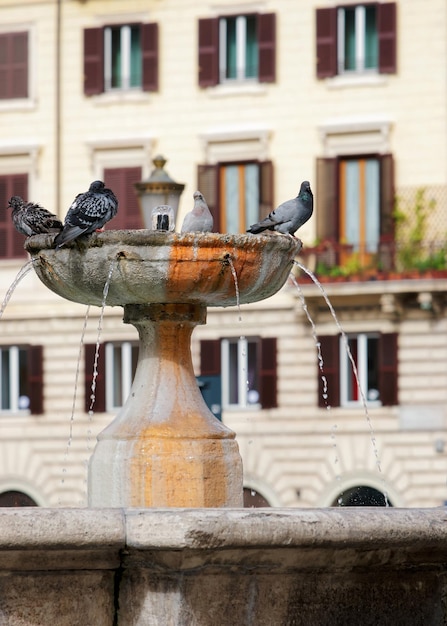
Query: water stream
353	365
21	274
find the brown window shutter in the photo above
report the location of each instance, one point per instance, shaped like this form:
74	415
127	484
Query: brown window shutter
387	33
330	351
388	374
11	241
207	183
387	196
13	65
267	47
327	200
99	405
268	373
326	42
210	357
121	181
208	52
149	51
266	188
93	61
35	379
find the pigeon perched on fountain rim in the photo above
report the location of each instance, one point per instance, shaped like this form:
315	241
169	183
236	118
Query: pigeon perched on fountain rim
199	220
88	212
30	218
290	215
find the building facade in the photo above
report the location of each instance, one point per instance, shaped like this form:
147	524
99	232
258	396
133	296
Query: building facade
245	100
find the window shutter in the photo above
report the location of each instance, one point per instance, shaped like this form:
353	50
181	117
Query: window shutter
149	52
326	42
210	357
327	200
387	196
11	241
388	369
267	47
330	351
207	184
121	181
387	34
35	379
93	61
268	373
100	390
266	188
208	52
14	65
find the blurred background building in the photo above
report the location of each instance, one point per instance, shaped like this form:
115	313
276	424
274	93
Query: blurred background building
244	100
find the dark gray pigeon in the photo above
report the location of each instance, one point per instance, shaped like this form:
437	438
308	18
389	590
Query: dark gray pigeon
30	218
88	212
290	215
199	220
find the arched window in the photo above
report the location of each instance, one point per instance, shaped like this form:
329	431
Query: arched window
15	498
361	496
253	499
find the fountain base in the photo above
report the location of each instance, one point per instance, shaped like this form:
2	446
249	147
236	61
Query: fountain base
165	447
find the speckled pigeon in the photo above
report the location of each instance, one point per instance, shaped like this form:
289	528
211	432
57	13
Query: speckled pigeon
30	218
200	218
88	212
290	215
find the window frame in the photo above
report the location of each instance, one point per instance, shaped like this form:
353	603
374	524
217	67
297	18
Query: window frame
126	374
361	367
12	67
360	40
242	343
34	379
125	31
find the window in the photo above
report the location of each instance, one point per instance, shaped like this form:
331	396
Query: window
356	38
121	57
356	204
121	180
15	499
364	349
116	368
21	379
238	194
11	241
13	65
246	368
121	364
375	355
237	48
362	495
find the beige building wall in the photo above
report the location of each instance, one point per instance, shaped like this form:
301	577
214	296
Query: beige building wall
297	454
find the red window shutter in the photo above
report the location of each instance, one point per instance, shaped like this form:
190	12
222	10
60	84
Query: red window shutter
266	188
267	47
268	373
100	390
149	51
210	357
208	52
326	42
11	241
93	61
388	374
330	351
387	33
121	180
14	65
327	199
387	195
207	183
35	379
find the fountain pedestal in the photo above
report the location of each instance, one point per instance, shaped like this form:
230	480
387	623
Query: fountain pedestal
165	447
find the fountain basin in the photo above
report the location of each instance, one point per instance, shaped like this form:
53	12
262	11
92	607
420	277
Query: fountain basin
154	267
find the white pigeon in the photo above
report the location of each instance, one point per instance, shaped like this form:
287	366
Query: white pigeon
199	220
88	212
290	215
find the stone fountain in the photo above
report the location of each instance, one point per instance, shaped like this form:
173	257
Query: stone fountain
159	544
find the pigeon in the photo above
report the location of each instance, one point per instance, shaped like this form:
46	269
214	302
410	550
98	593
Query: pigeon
199	220
30	218
290	215
88	212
